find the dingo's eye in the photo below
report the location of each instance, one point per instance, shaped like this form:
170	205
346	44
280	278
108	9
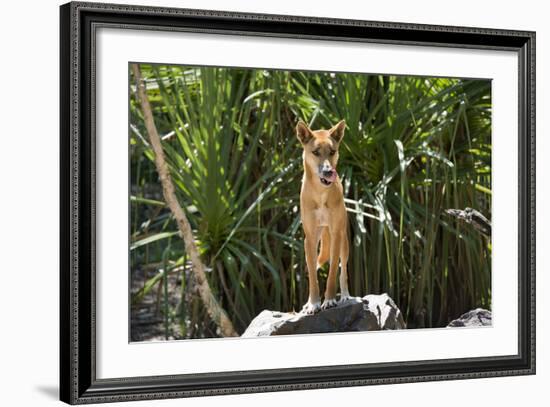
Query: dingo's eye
332	152
316	153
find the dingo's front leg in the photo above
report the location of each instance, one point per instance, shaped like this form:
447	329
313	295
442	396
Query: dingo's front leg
310	245
344	254
330	292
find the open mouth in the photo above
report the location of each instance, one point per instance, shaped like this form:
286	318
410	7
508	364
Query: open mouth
328	178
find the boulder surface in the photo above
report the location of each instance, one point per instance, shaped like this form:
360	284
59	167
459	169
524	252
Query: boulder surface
476	317
369	313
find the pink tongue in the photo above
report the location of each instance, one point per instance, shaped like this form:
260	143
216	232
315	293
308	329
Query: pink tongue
333	176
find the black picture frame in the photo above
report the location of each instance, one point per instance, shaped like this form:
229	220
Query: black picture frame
78	382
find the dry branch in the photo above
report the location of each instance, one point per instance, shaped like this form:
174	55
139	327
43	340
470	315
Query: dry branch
474	218
215	311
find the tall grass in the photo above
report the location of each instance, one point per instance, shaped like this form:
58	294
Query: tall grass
414	147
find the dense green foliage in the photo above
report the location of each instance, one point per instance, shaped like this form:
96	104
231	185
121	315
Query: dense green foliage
413	147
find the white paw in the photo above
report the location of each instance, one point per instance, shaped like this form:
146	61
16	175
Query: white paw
344	298
329	303
311	308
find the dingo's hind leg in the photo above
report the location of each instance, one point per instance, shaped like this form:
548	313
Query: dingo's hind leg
324	252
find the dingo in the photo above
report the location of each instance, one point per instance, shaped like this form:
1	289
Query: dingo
323	213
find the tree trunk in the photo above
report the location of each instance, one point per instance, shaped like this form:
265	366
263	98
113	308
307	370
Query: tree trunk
215	311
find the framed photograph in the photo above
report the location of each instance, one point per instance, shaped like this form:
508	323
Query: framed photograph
256	203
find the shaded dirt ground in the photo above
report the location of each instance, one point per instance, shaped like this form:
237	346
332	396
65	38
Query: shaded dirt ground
146	317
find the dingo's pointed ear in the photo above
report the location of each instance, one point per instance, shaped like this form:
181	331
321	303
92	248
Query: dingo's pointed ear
337	131
303	132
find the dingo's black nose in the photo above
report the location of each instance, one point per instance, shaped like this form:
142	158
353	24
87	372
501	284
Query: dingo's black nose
328	173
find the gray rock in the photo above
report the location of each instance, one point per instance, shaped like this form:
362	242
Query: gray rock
476	317
370	313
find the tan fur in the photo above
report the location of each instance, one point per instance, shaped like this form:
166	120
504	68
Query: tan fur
323	214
